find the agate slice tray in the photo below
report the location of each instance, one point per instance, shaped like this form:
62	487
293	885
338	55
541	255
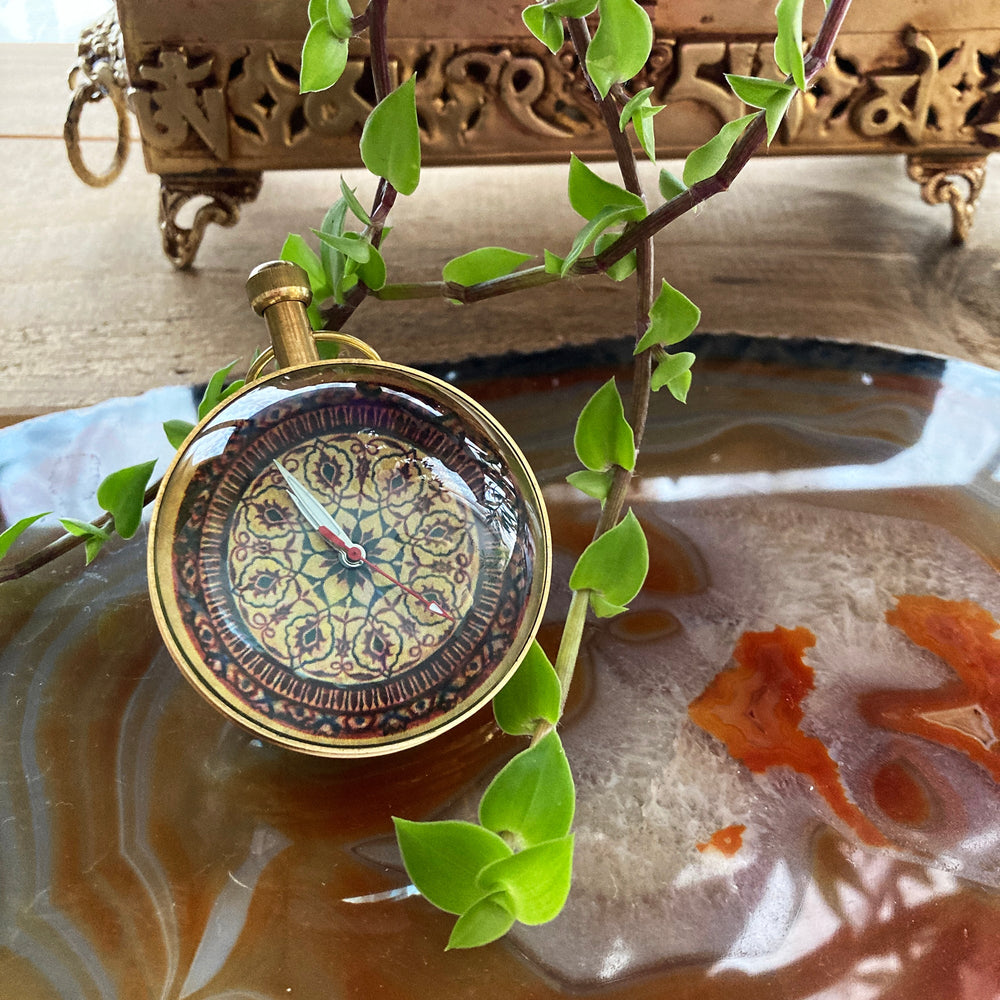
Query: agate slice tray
786	751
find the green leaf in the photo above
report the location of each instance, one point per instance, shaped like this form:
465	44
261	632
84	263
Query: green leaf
372	271
788	45
572	8
339	15
532	797
613	566
773	96
324	58
351	245
610	216
317	10
483	264
177	431
553	263
390	140
621	44
536	880
95	537
620	269
674	372
486	920
444	858
545	26
532	695
214	393
590	194
670	185
352	201
17	529
332	260
603	437
296	250
593	484
706	160
640	111
121	495
672	317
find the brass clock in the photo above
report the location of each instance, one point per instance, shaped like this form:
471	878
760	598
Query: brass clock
346	557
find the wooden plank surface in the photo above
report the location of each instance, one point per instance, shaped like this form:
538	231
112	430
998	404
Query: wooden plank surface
834	247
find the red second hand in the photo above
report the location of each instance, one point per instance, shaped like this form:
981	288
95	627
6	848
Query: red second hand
354	553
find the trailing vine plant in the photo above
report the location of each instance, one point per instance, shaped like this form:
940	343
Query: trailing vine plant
515	864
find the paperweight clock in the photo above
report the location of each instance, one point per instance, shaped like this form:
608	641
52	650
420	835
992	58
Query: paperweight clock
346	557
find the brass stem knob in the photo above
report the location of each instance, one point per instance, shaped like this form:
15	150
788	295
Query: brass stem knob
279	291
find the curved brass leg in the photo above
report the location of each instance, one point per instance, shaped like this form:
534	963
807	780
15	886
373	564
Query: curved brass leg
939	178
226	193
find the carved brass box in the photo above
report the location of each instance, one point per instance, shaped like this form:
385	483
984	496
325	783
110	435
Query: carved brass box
217	102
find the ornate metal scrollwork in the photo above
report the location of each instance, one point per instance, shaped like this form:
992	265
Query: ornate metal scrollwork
226	193
940	180
99	72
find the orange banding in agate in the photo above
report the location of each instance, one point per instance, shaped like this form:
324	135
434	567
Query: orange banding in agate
963	713
755	708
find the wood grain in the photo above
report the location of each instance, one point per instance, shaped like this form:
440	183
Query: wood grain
838	247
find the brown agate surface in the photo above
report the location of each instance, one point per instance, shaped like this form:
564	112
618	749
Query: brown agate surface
824	591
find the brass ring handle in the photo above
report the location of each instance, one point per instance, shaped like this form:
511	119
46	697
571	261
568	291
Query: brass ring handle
89	92
267	356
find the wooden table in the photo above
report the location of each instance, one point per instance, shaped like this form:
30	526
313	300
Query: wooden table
831	247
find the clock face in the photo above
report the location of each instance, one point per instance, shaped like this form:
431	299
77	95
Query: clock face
349	557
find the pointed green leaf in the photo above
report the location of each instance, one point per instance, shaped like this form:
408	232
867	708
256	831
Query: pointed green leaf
352	201
332	260
610	216
177	431
672	317
620	269
317	10
621	44
483	264
445	857
674	372
593	484
603	437
614	565
214	391
339	15
706	160
351	245
121	495
788	45
536	880
532	695
670	185
95	537
590	194
372	271
486	920
532	797
544	25
640	111
553	263
296	250
17	529
390	140
324	58
773	96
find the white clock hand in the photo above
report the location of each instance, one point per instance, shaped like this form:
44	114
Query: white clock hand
317	515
